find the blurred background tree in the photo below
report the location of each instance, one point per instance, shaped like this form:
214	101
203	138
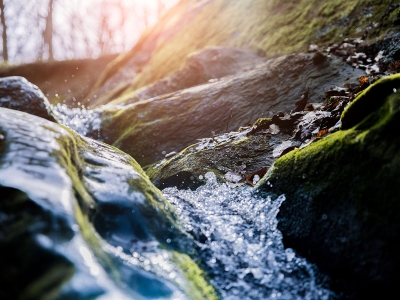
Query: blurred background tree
46	30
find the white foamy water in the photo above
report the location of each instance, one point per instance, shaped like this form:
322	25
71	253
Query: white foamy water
82	120
238	241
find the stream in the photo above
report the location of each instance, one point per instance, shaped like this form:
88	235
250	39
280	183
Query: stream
235	234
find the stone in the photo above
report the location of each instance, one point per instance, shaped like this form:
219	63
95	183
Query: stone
201	67
19	94
228	156
172	122
80	218
341	208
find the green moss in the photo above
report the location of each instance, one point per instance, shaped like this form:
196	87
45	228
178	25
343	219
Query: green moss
283	27
369	100
95	243
342	196
263	123
366	159
198	286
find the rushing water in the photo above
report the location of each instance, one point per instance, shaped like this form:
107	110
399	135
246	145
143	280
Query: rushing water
238	241
235	232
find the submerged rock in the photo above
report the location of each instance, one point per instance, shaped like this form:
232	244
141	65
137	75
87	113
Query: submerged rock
341	209
79	219
19	94
170	122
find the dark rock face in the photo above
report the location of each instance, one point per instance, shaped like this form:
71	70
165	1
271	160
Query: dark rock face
171	122
19	94
208	64
341	209
72	213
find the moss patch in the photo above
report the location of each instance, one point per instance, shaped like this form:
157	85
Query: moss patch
198	285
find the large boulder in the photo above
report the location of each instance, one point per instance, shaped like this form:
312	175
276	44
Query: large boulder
342	196
206	65
19	94
80	219
147	128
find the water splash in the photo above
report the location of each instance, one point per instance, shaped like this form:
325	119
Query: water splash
81	120
238	241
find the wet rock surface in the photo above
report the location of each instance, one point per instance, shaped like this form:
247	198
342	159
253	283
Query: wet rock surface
79	220
231	157
209	64
19	94
341	203
171	122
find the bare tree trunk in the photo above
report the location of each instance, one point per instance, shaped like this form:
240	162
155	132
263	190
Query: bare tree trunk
4	27
48	32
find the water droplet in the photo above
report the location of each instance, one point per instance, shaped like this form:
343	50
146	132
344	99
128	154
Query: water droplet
168	241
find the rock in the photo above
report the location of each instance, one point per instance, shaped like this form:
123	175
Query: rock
273	27
318	58
19	94
229	156
341	209
79	219
202	66
171	122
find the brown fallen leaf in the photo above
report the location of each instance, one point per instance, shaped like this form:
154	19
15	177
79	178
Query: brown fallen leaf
255	177
322	132
394	66
364	83
363	79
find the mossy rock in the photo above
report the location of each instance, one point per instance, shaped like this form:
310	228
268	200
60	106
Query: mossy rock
74	210
273	27
342	197
171	122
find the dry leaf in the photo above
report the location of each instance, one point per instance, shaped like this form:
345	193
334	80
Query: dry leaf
322	132
256	175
